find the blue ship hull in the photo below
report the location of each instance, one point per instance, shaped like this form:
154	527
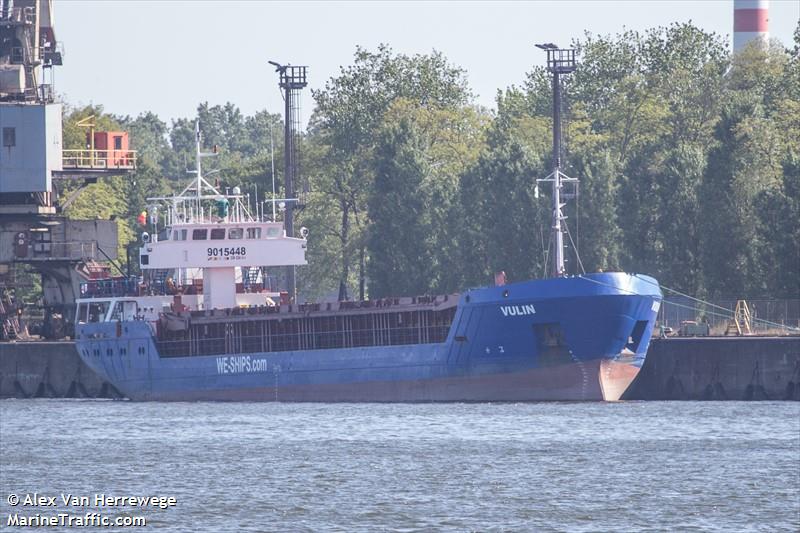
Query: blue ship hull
575	338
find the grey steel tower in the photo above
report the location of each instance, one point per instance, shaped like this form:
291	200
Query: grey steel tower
559	61
292	81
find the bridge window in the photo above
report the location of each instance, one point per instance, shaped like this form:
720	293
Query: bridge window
253	233
179	234
217	234
199	234
235	233
273	232
97	311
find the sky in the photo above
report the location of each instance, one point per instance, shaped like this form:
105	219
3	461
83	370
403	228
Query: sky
167	57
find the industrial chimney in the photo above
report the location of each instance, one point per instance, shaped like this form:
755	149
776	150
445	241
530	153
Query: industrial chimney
750	22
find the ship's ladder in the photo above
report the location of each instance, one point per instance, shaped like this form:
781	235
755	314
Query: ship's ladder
740	323
253	277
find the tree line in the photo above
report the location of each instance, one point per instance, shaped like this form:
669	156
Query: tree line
688	160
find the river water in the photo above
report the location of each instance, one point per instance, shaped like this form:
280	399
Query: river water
635	466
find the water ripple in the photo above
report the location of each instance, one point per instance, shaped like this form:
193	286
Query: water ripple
655	466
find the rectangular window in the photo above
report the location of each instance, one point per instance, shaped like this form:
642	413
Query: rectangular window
199	234
97	311
83	311
273	232
217	234
253	233
117	142
9	137
235	233
129	310
179	234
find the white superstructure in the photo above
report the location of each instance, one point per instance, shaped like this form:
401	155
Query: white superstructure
206	252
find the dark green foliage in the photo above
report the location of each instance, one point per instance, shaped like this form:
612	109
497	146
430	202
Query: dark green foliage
350	111
502	222
399	210
689	161
600	237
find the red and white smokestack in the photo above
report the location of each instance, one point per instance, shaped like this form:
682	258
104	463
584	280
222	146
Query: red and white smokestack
750	22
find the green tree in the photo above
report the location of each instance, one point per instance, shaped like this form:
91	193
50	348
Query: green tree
349	112
504	225
399	260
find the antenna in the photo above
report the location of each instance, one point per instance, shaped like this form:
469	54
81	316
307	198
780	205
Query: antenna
292	81
559	61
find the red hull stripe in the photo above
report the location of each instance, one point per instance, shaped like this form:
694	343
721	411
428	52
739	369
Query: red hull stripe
751	20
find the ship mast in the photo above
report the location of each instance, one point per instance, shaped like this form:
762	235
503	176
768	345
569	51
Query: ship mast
559	61
197	155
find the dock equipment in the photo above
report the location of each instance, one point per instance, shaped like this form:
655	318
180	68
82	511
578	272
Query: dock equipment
740	323
34	232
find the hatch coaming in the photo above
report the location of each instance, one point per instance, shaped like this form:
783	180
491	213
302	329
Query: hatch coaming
259	330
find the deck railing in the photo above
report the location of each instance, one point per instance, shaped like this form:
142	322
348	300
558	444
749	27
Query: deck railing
70	251
767	315
99	159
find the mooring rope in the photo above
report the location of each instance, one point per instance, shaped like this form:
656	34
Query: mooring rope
730	313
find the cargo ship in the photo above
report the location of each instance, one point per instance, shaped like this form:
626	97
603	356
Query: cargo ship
205	323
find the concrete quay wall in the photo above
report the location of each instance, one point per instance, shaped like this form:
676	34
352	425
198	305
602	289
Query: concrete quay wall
695	368
719	368
48	370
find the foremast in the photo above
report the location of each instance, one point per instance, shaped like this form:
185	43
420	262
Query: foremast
559	61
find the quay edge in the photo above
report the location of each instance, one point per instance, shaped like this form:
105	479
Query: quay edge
719	368
44	369
702	368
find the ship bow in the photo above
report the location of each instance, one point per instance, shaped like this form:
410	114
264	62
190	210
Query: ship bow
615	378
